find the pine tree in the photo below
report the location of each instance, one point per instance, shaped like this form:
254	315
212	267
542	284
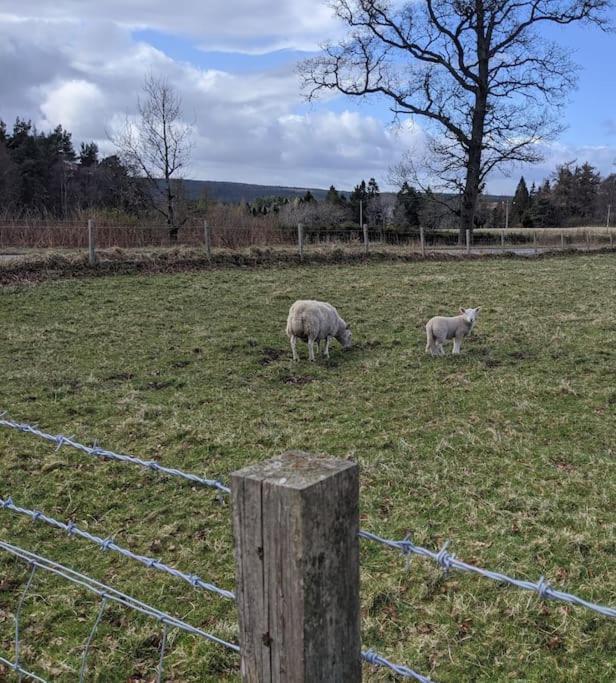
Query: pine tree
88	154
408	206
520	203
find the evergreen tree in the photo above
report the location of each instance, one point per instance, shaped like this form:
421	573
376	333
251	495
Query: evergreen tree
408	206
88	154
520	203
358	195
544	213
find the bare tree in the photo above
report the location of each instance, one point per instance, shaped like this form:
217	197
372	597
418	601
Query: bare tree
477	72
156	146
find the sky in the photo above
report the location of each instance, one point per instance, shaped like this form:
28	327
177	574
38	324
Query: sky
81	63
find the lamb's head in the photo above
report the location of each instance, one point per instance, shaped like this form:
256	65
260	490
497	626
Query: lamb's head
344	336
470	315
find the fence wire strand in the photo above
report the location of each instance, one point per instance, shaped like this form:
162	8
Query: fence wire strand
103	590
86	650
448	561
376	659
95	451
108	544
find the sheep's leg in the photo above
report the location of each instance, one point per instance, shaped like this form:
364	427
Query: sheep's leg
293	347
311	349
457	343
326	349
441	350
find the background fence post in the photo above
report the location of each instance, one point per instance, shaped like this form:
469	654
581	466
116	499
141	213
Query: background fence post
208	239
503	239
611	238
91	242
295	521
300	240
366	242
422	239
468	241
562	239
535	241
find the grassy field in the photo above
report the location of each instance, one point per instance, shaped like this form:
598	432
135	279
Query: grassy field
507	450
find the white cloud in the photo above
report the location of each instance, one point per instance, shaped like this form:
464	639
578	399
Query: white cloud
77	104
78	63
219	24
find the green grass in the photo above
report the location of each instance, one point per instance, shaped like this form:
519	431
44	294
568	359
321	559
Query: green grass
507	450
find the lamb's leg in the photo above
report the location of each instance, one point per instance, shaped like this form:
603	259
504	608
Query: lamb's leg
293	347
457	343
311	349
441	350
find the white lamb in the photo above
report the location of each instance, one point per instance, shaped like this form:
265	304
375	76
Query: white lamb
316	321
439	329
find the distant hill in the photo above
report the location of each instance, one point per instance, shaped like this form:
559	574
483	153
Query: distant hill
234	193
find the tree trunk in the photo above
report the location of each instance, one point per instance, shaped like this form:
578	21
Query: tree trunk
473	166
171	221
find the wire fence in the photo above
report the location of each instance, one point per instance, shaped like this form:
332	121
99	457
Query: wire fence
406	547
263	232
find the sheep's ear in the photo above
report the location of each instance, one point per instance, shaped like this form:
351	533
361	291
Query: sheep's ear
462	310
348	327
478	309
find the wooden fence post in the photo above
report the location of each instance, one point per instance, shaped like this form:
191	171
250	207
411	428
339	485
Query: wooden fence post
91	242
468	241
207	235
611	238
562	239
422	239
366	241
300	241
503	239
295	521
535	241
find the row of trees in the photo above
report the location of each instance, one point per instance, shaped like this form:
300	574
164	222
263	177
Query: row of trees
42	174
576	195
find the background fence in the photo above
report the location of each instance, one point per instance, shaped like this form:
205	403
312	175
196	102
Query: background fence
296	528
88	235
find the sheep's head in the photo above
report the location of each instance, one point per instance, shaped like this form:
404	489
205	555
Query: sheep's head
345	337
470	314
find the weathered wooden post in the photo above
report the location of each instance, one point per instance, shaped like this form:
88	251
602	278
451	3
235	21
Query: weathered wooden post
207	235
91	242
296	520
611	238
300	241
562	239
423	241
535	241
468	241
366	242
503	239
587	239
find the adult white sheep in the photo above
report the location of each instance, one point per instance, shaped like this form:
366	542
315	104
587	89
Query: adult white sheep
316	321
439	329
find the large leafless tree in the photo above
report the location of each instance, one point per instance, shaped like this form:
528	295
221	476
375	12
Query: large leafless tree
479	73
156	146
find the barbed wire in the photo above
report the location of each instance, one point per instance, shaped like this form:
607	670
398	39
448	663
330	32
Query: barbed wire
108	544
102	590
61	440
376	659
448	561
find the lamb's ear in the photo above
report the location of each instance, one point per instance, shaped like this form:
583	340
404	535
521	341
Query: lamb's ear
348	327
462	310
477	309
